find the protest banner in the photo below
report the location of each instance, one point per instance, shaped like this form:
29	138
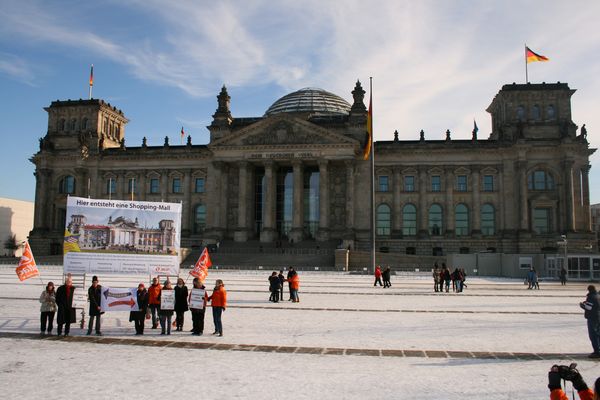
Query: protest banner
118	299
79	299
27	267
197	298
121	237
167	299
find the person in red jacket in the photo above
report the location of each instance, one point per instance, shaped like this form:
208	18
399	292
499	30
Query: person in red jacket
570	373
378	276
294	286
154	300
218	301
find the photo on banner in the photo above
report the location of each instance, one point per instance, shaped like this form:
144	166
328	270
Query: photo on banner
122	237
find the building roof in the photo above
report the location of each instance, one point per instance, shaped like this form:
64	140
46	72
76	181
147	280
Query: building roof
314	101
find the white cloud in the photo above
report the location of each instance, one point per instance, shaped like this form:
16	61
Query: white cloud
16	68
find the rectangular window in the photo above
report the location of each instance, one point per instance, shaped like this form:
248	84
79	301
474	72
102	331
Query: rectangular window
176	185
199	187
488	183
383	183
111	186
131	186
436	185
154	185
541	220
461	183
409	183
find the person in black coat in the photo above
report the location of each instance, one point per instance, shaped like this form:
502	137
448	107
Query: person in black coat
281	282
139	316
64	303
291	273
181	303
94	295
198	313
591	305
387	274
274	287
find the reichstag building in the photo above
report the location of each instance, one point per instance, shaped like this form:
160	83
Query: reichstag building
296	175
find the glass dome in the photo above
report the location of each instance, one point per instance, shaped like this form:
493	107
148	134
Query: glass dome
312	101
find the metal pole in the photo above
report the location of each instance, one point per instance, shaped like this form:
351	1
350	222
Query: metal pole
373	225
526	74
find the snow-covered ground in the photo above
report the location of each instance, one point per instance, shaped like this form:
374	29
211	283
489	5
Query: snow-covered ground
336	311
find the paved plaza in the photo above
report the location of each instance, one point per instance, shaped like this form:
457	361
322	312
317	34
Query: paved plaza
345	339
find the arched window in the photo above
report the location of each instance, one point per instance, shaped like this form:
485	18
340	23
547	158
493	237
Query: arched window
521	113
461	220
67	185
384	220
488	220
199	218
550	112
535	112
540	180
435	220
61	124
409	220
84	124
73	124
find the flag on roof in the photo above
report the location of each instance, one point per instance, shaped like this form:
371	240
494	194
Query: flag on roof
532	56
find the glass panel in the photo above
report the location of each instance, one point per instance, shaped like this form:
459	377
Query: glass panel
541	220
285	200
259	197
488	220
176	185
199	187
436	185
409	220
461	183
199	218
435	220
311	202
488	183
383	183
131	186
461	220
409	183
384	220
154	185
111	186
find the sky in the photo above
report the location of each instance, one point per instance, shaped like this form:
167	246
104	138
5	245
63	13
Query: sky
435	65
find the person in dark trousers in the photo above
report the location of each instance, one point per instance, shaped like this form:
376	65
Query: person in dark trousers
563	276
274	287
181	303
165	315
436	278
64	303
591	307
139	316
94	295
47	309
378	276
446	277
198	313
218	301
290	273
281	282
387	272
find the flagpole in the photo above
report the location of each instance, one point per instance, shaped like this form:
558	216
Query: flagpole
372	178
91	80
526	73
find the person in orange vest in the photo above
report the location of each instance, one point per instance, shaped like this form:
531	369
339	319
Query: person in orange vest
154	300
218	301
570	373
378	276
294	286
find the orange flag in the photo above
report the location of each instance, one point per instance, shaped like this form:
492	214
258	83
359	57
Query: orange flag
200	270
27	267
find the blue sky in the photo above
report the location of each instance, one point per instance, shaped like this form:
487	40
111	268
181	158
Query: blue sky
436	65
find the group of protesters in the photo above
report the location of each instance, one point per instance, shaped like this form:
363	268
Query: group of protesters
60	301
276	284
443	277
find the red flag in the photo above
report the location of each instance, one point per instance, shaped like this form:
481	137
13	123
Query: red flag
200	270
27	267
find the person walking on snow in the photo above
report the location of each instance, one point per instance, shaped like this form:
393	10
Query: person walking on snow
378	276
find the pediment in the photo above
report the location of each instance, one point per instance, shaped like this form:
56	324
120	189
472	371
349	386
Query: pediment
283	130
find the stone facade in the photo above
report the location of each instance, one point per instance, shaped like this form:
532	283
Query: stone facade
297	174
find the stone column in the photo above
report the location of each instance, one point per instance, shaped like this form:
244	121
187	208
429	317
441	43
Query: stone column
41	199
323	233
475	212
142	186
296	233
121	184
164	185
350	198
213	199
223	203
499	213
241	234
585	189
268	232
449	202
397	212
523	192
569	201
422	213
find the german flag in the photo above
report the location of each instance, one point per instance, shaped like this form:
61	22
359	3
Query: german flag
369	138
92	75
532	56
